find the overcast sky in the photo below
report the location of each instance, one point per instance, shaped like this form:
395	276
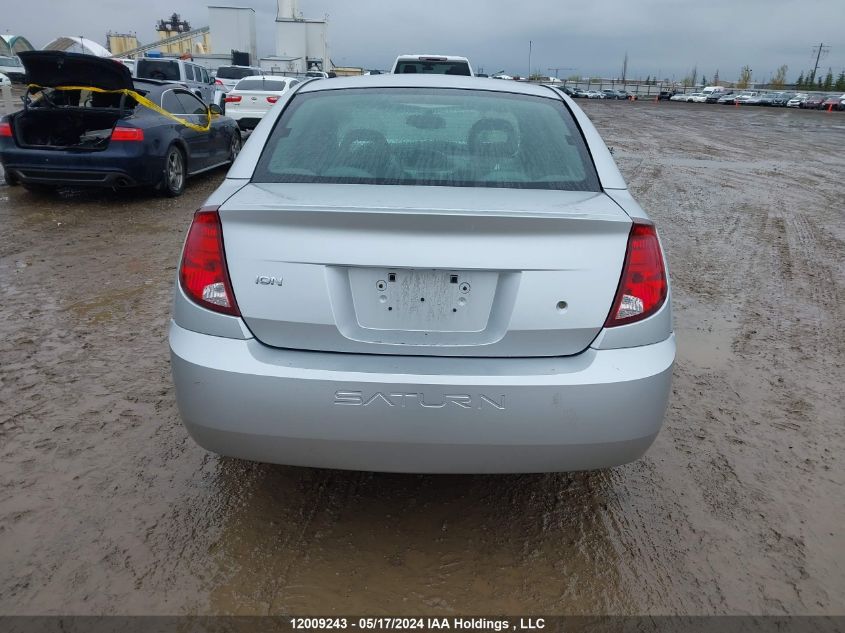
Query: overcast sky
665	37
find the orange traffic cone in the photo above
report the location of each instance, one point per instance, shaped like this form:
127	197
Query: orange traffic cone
830	108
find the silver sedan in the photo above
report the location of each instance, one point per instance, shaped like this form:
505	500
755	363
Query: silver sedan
423	273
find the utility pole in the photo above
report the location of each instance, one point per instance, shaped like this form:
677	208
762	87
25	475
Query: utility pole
625	67
530	44
821	48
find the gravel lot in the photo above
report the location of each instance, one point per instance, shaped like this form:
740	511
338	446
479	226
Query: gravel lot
106	506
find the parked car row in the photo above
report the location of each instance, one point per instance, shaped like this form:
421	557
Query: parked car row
725	96
760	98
607	93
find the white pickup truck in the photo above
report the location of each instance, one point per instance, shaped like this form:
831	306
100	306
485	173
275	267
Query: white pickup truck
432	64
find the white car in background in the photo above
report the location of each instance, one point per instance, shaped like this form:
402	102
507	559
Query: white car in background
227	77
797	100
4	80
12	68
253	96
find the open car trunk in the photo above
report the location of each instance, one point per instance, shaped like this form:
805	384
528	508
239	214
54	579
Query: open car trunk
65	128
65	119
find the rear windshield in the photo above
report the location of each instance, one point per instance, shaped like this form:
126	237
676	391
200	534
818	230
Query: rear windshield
432	68
162	69
423	136
261	84
228	72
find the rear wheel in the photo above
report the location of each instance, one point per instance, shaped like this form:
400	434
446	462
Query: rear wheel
10	179
173	180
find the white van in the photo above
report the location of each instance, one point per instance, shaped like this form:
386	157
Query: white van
192	76
714	90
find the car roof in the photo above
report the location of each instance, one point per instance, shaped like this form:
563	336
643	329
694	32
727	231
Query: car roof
448	58
424	80
268	77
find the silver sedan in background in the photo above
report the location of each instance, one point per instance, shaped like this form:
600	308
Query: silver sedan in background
423	273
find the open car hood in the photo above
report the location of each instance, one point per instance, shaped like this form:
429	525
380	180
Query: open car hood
58	68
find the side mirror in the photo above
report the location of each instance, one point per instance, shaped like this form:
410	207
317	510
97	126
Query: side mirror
215	109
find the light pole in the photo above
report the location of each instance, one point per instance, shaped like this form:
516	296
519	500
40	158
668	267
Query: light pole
530	44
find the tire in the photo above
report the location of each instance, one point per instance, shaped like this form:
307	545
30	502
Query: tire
9	179
235	146
174	174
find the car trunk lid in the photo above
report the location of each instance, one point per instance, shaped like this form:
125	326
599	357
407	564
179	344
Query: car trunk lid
444	271
58	68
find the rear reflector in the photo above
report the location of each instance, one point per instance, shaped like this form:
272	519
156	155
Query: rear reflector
272	99
127	134
643	286
233	99
203	274
6	129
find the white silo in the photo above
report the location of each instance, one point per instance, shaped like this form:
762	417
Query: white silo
301	44
288	10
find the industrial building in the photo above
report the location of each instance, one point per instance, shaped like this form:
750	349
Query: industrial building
119	43
301	44
232	29
13	44
169	31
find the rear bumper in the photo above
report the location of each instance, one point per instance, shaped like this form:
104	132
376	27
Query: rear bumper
72	177
112	167
420	414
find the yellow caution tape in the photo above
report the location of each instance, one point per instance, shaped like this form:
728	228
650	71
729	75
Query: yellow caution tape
142	100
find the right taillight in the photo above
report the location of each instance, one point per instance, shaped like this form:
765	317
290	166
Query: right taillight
203	274
132	134
5	129
643	286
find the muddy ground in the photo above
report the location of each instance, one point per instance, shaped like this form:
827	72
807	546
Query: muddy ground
106	506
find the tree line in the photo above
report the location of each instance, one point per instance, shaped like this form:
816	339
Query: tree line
818	83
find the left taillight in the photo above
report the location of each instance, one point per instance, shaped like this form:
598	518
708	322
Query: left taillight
127	134
203	274
644	285
5	129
